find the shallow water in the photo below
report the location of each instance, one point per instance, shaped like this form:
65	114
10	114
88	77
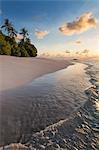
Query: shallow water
45	101
67	84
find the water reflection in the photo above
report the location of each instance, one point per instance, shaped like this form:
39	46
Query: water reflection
66	85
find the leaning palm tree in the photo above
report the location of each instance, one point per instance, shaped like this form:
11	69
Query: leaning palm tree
7	26
24	33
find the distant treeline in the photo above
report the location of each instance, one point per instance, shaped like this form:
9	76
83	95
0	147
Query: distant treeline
9	45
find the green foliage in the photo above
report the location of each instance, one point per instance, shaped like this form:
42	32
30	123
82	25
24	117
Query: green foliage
31	49
15	51
9	46
5	48
23	51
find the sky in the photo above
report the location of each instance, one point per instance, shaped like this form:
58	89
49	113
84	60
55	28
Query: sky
56	27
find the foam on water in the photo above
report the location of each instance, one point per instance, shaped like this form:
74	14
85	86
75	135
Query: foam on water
93	70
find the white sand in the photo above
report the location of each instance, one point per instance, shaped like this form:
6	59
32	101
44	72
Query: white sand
16	71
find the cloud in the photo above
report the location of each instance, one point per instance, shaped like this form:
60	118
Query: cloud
76	52
67	51
97	38
46	54
85	51
41	34
81	24
78	42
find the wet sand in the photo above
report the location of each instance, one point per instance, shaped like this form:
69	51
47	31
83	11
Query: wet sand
15	71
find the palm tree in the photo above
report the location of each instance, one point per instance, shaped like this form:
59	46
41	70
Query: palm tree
8	26
13	32
24	33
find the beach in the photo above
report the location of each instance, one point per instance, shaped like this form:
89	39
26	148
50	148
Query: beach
79	130
15	71
44	101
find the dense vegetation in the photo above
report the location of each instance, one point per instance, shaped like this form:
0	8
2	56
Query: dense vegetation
9	45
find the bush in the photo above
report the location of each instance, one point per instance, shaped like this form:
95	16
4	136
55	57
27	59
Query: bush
5	48
8	46
15	52
32	51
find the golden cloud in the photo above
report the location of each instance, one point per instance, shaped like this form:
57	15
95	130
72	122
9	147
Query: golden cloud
41	34
76	52
67	51
83	23
85	51
78	42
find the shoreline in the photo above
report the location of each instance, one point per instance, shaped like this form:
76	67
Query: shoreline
34	103
92	75
16	72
